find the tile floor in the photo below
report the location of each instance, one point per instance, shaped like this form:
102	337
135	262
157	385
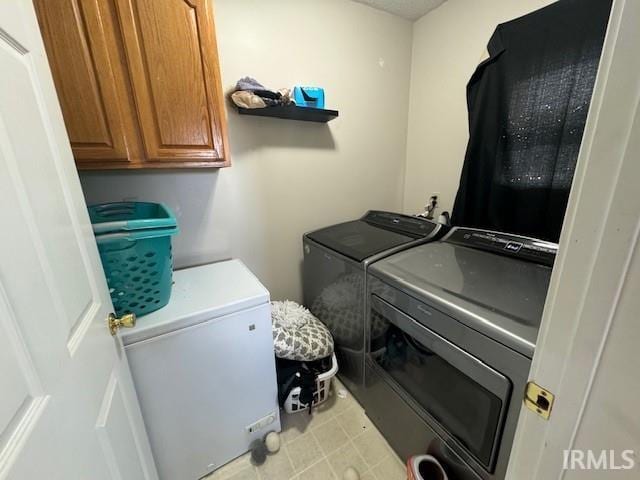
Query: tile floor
321	447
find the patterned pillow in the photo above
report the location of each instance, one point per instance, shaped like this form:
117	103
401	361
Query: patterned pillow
298	334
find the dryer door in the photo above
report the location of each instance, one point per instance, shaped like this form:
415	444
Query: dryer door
463	396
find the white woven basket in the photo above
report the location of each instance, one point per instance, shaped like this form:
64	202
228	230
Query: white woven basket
323	385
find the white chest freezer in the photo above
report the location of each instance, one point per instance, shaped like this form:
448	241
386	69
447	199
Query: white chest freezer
204	370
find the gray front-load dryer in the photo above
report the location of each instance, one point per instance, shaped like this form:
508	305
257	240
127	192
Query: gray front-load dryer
446	372
334	278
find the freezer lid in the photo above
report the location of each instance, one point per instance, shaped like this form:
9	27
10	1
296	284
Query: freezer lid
200	294
499	296
358	239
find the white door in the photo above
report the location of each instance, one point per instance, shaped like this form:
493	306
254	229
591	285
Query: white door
588	351
68	409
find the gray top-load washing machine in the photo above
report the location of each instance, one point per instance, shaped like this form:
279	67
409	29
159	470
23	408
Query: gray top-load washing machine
446	372
334	276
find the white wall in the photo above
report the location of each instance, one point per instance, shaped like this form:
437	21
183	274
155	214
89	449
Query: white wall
290	177
448	43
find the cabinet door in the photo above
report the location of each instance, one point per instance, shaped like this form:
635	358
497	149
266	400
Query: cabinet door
173	64
82	47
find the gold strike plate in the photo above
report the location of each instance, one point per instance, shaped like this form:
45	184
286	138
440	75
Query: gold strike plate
538	400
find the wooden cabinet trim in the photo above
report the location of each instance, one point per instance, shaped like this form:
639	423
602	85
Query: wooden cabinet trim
164	165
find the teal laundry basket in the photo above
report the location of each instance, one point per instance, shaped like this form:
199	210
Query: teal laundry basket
130	216
135	249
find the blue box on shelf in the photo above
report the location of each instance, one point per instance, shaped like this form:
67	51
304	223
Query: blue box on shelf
308	96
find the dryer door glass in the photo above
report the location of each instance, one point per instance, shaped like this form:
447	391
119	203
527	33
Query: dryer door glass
465	397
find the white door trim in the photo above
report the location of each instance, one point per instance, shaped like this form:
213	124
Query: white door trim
597	245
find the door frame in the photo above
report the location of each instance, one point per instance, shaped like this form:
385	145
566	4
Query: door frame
598	240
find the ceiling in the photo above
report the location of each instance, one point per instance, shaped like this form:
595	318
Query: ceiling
410	9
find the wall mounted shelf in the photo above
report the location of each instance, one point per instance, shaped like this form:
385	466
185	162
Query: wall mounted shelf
292	112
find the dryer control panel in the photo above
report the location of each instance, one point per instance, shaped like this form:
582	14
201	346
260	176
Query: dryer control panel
525	248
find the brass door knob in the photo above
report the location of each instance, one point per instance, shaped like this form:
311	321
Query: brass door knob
126	321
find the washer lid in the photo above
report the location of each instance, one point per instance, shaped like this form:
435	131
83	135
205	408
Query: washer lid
200	294
375	232
499	296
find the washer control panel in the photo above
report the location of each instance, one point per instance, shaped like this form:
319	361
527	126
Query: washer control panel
525	248
414	226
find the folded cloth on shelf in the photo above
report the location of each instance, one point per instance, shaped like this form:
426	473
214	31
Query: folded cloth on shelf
249	93
245	99
249	84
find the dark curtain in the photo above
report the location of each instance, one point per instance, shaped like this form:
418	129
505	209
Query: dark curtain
528	104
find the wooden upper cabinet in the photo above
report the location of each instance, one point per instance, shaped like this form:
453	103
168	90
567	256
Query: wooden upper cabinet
173	62
138	81
90	82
